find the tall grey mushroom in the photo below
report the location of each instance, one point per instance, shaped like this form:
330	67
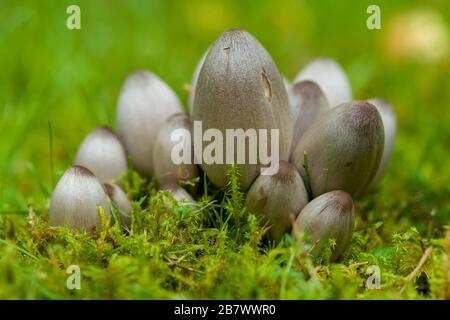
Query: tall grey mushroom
389	119
330	215
343	147
240	87
277	197
103	154
145	102
76	200
330	77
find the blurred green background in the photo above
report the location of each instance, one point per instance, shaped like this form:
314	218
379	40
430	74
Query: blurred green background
72	78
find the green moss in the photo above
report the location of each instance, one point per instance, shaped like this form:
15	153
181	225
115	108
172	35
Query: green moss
213	251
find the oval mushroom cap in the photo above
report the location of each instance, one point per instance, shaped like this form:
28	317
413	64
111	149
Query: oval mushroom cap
240	87
121	202
308	102
145	102
287	86
330	215
344	148
277	197
167	153
331	78
389	119
179	194
76	199
194	81
103	154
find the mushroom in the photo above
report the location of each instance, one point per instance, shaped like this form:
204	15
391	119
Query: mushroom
277	197
145	102
343	149
166	170
194	81
308	103
330	215
178	193
287	86
331	78
240	87
103	154
76	200
389	119
120	201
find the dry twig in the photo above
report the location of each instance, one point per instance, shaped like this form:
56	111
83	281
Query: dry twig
359	264
419	266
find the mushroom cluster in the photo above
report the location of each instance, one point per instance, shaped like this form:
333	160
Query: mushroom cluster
332	149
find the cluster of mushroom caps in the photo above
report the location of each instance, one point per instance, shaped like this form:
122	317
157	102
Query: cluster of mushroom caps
332	149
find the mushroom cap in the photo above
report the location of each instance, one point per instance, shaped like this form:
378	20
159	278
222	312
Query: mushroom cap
179	194
331	215
277	197
240	87
76	199
331	78
103	154
194	81
344	148
164	167
287	86
389	119
120	200
308	102
145	102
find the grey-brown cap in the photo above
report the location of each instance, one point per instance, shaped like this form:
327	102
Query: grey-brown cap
240	87
120	201
178	193
145	102
330	215
277	197
76	200
344	148
389	119
194	81
308	102
103	153
166	168
331	78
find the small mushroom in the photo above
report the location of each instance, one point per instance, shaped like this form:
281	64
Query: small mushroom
178	193
120	201
145	102
343	149
308	103
330	215
76	200
389	119
165	166
277	197
331	78
103	154
240	87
